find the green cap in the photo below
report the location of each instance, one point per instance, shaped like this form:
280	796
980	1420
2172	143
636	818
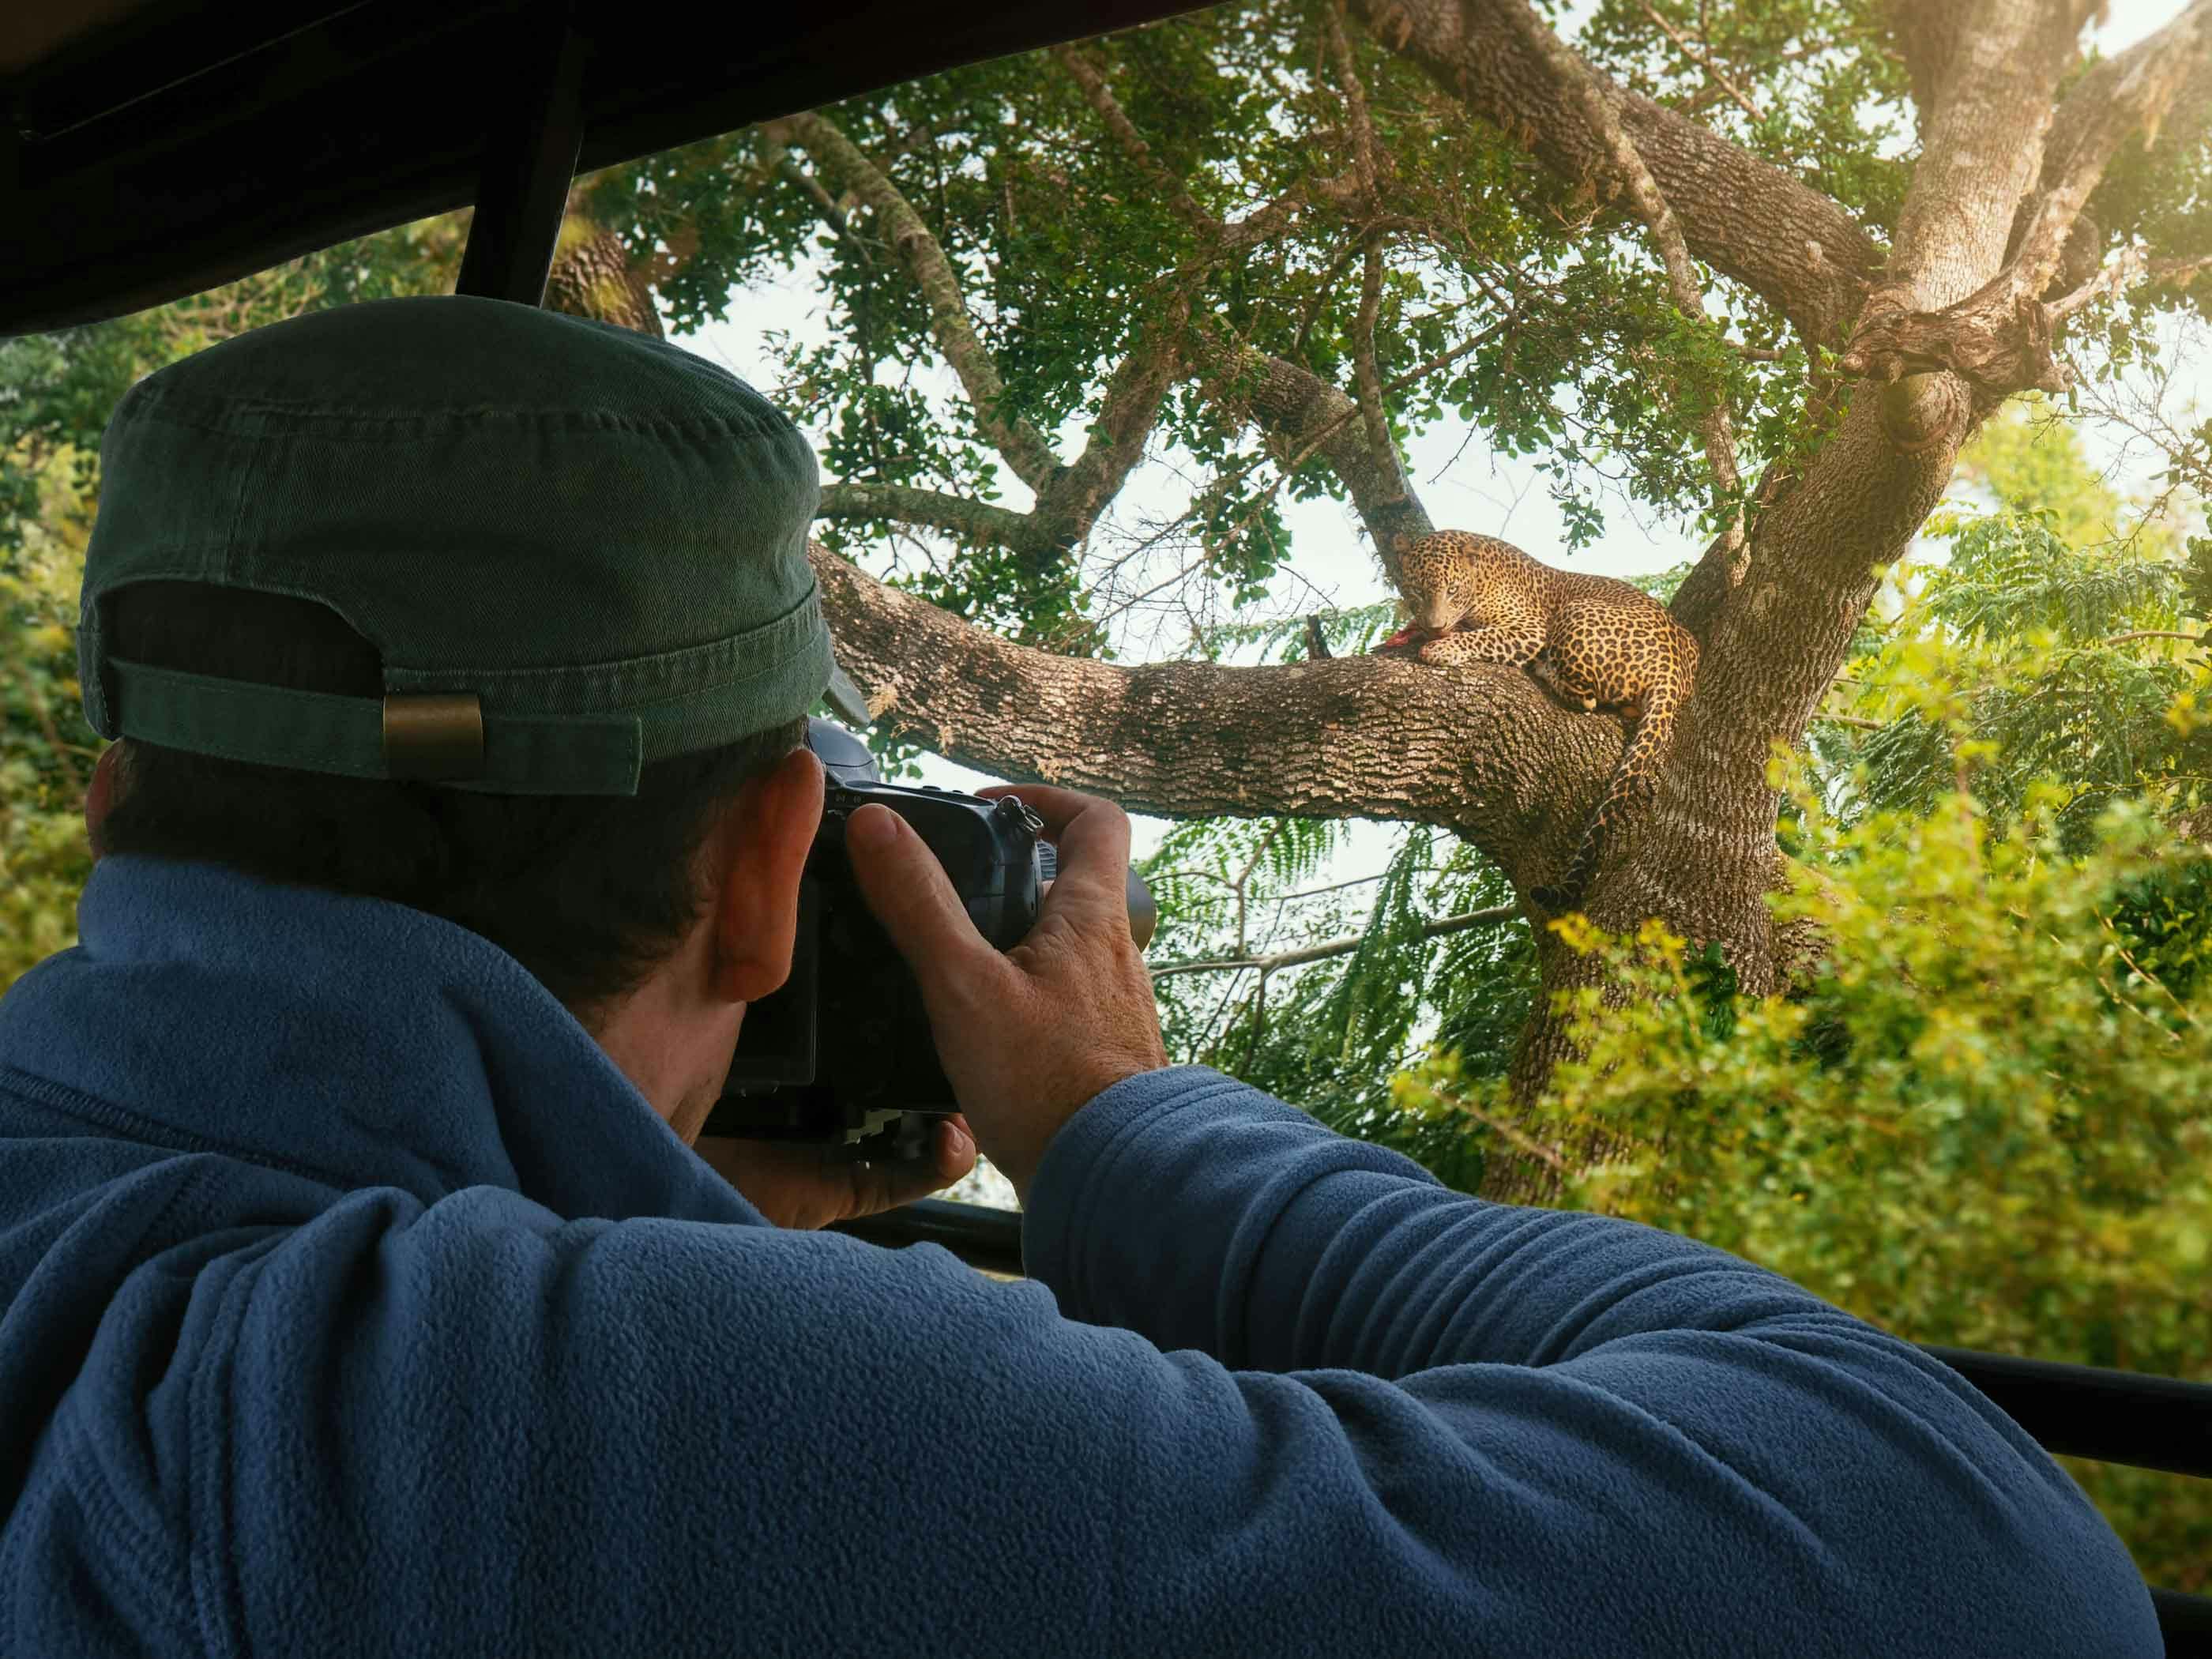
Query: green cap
578	549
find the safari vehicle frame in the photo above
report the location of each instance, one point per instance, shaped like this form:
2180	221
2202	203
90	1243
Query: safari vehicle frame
157	148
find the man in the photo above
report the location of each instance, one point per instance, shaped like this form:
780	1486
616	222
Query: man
362	1294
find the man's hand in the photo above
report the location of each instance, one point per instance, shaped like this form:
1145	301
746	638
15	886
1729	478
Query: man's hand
1029	1038
797	1184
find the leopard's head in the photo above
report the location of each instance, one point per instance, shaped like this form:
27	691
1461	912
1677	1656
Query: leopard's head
1435	583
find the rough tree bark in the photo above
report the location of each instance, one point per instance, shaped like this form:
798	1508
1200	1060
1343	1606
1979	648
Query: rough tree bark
1933	333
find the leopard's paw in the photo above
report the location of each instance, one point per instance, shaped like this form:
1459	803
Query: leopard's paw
1437	652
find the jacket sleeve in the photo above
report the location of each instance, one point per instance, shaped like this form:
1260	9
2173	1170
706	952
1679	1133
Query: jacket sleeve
1269	1391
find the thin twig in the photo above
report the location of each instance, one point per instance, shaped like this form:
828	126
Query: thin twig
1336	947
2180	1008
1524	1142
45	716
1706	64
1339	886
2151	634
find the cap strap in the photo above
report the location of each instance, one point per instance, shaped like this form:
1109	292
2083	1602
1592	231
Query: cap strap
400	737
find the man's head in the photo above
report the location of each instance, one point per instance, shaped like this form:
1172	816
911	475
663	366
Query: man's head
589	892
498	614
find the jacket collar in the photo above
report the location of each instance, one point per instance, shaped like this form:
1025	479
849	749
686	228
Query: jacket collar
353	1039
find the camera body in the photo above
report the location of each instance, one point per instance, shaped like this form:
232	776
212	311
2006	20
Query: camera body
842	1053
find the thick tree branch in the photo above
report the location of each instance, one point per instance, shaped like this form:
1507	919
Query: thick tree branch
1482	750
1026	450
1951	301
1745	218
1223	236
1135	394
1579	81
2127	95
978	521
1295	407
2000	336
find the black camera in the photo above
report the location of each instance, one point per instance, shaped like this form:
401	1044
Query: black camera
842	1053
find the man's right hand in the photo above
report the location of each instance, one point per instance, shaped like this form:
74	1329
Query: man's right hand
1029	1038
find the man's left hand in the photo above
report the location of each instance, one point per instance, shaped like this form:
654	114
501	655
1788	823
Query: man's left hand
796	1184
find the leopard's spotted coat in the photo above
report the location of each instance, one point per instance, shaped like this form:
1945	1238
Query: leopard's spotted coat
1594	642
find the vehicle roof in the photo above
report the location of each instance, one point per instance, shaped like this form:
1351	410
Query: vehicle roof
155	148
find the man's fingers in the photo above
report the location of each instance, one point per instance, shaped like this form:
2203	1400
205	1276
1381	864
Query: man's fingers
1093	837
879	1186
910	894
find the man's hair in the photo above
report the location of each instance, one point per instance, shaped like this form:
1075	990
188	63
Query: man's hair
589	893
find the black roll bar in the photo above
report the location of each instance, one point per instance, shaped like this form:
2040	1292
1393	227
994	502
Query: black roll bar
2075	1411
529	161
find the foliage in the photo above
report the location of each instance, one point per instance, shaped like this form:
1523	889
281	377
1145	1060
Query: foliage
1984	1124
1328	1034
2056	643
45	754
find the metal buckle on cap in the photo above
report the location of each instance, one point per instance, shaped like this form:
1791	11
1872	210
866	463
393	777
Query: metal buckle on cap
433	738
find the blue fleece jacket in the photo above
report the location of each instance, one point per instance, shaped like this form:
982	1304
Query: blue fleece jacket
351	1302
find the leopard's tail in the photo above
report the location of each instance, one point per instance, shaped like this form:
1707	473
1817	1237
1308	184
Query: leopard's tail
1634	782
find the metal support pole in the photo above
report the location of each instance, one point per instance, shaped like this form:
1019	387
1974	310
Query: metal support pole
2088	1411
531	143
2118	1417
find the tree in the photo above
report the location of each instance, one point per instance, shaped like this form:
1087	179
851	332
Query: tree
1278	240
1689	249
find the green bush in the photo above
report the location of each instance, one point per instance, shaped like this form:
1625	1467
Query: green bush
1983	1124
46	750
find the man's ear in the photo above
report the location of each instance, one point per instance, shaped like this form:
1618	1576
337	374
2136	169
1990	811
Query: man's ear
763	843
99	794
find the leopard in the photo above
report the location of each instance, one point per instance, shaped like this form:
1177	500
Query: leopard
1592	641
